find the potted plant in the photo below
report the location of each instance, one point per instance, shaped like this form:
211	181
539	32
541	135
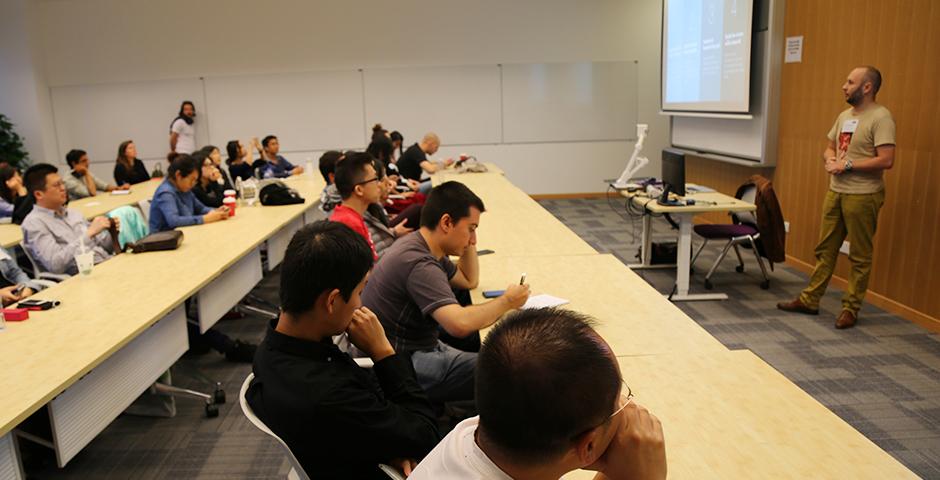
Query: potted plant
11	145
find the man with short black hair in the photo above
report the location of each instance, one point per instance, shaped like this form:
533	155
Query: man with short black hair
80	183
329	197
272	165
52	233
358	184
411	291
551	400
338	420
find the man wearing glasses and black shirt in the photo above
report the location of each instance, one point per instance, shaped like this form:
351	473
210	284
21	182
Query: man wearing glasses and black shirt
358	184
536	422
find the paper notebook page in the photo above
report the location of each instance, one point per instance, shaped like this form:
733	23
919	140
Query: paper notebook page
543	300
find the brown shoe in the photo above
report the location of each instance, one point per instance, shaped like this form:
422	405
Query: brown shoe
797	306
846	320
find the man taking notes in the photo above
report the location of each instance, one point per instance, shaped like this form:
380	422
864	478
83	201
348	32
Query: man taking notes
415	160
411	291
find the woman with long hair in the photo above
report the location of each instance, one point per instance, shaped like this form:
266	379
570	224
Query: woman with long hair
128	169
12	191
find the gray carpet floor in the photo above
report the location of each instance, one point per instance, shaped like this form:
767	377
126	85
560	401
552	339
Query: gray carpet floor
882	377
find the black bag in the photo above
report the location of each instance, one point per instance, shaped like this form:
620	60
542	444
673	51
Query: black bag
279	194
155	242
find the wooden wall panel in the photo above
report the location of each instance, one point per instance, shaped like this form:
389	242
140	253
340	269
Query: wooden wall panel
902	39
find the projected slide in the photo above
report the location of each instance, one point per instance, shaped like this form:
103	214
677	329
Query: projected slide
706	55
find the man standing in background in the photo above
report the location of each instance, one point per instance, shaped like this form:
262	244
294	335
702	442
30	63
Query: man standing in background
182	131
861	148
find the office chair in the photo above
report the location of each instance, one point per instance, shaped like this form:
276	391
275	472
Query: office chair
743	231
297	471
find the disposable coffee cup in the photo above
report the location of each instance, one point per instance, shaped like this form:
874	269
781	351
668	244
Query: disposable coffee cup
229	193
230	203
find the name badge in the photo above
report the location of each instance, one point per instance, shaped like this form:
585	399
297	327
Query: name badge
849	126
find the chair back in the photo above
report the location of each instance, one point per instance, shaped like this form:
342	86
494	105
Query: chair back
747	194
298	471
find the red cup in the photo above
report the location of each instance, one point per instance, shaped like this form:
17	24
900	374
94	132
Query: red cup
230	203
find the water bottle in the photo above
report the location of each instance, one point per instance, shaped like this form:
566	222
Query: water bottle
3	321
239	187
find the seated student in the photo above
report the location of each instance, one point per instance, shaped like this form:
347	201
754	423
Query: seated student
398	141
238	162
213	153
12	191
17	284
128	169
382	229
174	204
80	183
339	420
52	233
358	184
415	160
272	165
536	420
411	291
329	197
208	190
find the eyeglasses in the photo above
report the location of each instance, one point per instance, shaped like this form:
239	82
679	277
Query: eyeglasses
376	179
626	397
59	184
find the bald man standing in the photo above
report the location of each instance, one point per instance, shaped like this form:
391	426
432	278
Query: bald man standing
861	148
415	160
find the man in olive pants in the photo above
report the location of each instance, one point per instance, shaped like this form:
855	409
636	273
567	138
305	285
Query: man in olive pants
861	148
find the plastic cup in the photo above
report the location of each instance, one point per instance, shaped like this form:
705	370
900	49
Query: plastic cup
230	203
85	262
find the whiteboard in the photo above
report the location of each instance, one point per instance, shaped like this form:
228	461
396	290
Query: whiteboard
97	118
305	110
581	101
459	103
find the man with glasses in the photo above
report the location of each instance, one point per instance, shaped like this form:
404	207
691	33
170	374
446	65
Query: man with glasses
52	233
551	400
358	184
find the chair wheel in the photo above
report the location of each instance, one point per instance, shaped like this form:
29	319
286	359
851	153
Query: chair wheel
212	411
765	284
219	396
739	269
708	284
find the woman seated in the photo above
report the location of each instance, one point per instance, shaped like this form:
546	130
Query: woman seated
239	159
213	153
174	204
208	189
12	191
128	169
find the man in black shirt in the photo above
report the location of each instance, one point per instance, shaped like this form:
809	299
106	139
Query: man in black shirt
415	159
339	420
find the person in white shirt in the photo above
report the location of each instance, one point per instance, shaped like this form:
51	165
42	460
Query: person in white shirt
182	131
551	400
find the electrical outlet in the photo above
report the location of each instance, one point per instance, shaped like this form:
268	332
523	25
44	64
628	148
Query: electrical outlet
786	227
844	248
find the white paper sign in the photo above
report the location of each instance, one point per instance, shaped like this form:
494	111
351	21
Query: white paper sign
794	50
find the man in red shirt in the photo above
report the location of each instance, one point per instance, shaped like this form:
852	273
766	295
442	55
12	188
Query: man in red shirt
358	184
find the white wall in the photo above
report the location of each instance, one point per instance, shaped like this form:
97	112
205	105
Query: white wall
102	41
24	96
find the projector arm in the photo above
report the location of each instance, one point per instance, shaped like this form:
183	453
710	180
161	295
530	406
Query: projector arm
636	162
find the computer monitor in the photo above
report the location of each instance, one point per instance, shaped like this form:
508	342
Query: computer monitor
674	171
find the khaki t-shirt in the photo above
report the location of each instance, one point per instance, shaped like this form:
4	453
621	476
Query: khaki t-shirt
858	135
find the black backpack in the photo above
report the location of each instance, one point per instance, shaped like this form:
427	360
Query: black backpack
279	194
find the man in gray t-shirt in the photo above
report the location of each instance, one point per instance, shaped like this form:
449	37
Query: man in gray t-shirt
410	290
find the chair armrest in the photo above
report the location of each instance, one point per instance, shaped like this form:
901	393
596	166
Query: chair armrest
392	472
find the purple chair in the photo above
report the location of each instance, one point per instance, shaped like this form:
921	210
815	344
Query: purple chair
742	232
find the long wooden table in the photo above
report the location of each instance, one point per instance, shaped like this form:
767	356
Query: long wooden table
513	223
129	299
